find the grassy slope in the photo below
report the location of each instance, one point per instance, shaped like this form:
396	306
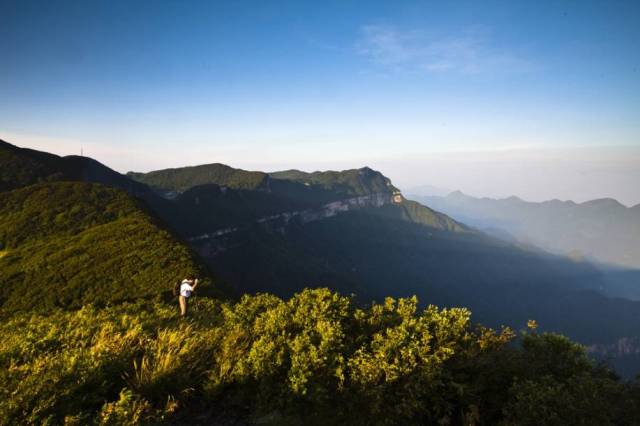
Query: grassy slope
67	244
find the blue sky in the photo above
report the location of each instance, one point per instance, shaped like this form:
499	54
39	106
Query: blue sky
268	85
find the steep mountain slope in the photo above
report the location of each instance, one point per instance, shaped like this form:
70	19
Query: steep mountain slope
602	229
66	244
65	241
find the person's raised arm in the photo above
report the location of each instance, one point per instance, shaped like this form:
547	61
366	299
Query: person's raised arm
195	284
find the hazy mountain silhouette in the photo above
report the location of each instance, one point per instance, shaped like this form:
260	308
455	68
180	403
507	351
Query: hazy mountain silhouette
602	229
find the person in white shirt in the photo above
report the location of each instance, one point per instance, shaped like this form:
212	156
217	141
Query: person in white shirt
187	288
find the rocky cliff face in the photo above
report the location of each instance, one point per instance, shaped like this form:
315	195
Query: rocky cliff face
279	221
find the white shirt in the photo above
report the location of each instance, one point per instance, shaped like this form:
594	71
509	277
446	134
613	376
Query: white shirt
185	289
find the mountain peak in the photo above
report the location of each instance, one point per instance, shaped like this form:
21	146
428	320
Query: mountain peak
457	194
604	203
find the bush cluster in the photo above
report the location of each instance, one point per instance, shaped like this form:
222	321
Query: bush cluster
316	358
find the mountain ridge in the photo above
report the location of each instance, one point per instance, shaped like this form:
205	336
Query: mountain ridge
596	201
181	179
21	167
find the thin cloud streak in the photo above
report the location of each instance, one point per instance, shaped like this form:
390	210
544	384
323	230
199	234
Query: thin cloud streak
414	51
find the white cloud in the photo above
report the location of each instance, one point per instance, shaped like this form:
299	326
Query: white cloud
413	51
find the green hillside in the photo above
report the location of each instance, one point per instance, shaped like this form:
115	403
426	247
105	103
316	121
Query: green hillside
352	182
184	178
68	243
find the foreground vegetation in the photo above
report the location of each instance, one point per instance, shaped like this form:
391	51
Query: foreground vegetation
316	358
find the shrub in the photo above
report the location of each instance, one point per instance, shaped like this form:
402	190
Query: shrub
317	358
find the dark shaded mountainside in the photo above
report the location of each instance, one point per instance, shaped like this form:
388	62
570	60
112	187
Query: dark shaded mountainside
281	232
603	231
20	167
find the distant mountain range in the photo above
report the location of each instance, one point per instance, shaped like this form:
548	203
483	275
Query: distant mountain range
603	229
279	232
